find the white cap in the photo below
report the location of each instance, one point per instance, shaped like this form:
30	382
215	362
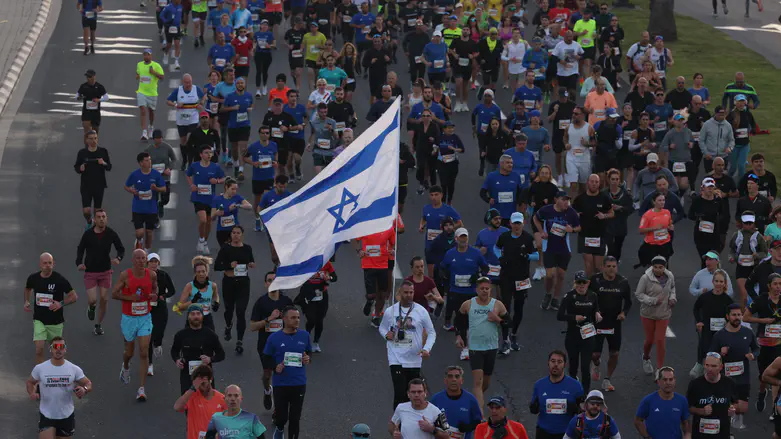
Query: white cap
488	92
708	182
595	394
516	217
462	232
437	33
459	5
652	157
152	256
748	218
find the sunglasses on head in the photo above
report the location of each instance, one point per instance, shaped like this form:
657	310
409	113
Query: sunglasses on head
713	355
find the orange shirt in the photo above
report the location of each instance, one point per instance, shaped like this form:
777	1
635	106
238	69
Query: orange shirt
651	219
397	224
277	93
376	247
200	411
598	104
515	430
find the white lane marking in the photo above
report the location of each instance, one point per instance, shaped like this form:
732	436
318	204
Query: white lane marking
103	105
111	52
167	256
117	39
171	134
178	153
669	333
167	230
78	113
171	115
174	83
172	200
123	11
100	46
113	97
174	178
153	22
775	28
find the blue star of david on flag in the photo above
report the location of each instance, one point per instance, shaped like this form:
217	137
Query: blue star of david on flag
338	210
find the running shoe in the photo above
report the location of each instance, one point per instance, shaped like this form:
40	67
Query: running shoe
236	172
265	90
465	108
158	351
554	305
91	312
87	226
546	300
257	93
86	50
267	401
448	327
98	330
420	190
648	367
124	375
772	417
514	343
299	175
141	395
227	335
607	386
316	347
165	58
594	372
206	250
537	275
241	175
376	322
279	434
258	225
177	67
150	371
505	348
464	354
196	43
144	138
203	43
367	308
239	347
761	401
724	7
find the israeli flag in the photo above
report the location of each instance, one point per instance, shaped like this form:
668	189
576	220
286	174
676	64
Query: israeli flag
354	196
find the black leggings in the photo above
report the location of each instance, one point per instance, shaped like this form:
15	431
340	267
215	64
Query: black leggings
454	301
579	352
401	376
262	63
615	244
425	159
315	316
235	294
288	404
704	340
159	321
447	176
508	294
416	70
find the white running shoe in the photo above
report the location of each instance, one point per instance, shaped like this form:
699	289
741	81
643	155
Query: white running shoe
124	375
177	67
150	371
158	351
144	136
199	247
537	275
165	58
257	93
264	91
465	108
316	347
141	395
206	250
648	367
464	354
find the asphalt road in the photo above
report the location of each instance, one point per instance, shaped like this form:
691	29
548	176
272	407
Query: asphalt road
349	382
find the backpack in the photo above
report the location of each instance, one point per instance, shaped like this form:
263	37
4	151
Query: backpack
604	429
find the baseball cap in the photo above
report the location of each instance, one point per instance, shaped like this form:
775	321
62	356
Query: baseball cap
314	23
488	92
678	117
709	182
449	123
536	40
498	400
711	255
156	134
652	158
775	244
459	5
612	113
437	33
562	194
264	21
595	395
563	91
454	17
740	97
580	276
89	73
516	217
658	38
462	232
153	255
752	177
148	50
361	430
748	217
203	114
534	113
659	260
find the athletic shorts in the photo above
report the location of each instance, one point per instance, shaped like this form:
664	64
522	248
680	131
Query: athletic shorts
321	160
295	63
570	82
135	326
240	134
100	279
184	130
282	155
274	18
558	145
296	10
261	186
91	23
172	37
350	86
542	434
375	280
766	356
202	207
742	391
556	260
594	248
296	146
312	64
402	193
742	272
589	52
483	360
199	16
577	170
143	100
62	427
93	117
46	333
92	196
146	221
490	76
604	164
613	340
463	72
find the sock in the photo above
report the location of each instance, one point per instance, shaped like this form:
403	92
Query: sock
298	168
176	58
267	391
201	239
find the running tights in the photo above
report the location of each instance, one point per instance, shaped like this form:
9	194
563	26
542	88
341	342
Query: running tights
262	63
508	294
454	301
424	161
159	321
289	403
579	352
315	316
447	175
401	376
616	243
235	295
655	334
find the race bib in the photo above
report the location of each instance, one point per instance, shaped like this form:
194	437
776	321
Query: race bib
262	44
243	60
432	233
660	126
296	53
314	49
627	135
366	29
265	162
330	88
696	136
89	14
717	323
318	296
347	19
293	359
706	227
453	433
219	62
521	285
340	126
412	22
463	280
214	107
191	365
745	260
274	325
556	406
763	193
585	42
185	116
494	270
144	195
599	113
448	158
529	104
165	2
441	10
773	330
324	143
564	124
227	221
277	132
733	369
146	79
43	299
204	189
505	197
679	167
240	270
463	62
255	17
139	308
661	235
741	133
322	21
493	12
418	60
173	30
373	251
587	331
159	167
92	105
483	127
606	331
406	343
559	230
710	426
578	152
241	117
593	242
438	64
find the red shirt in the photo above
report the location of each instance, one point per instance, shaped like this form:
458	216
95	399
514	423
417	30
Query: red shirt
421	289
562	13
376	248
242	51
141	286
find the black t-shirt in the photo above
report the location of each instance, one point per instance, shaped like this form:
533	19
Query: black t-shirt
720	396
515	255
678	99
695	120
346	11
90	92
463	49
767	184
272	121
564	114
573	305
294	38
341	112
588	206
263	308
614	297
639	102
408	17
322	11
229	254
541	193
46	290
725	184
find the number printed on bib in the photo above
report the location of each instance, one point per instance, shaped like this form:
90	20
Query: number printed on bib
324	143
710	426
277	132
227	221
274	325
293	359
741	133
505	197
432	233
660	126
587	331
192	365
438	64
521	285
296	53
89	14
318	295
679	167
373	251
559	230
593	242
463	280
734	369
418	60
773	330
564	124
556	406
706	227
204	189
661	235
213	107
240	270
453	433
606	331
463	62
173	30
265	162
717	323
159	167
139	308
43	299
494	270
745	260
448	158
92	105
144	195
242	117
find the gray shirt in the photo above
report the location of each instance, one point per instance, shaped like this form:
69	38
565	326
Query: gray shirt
325	140
645	182
740	343
682	140
162	155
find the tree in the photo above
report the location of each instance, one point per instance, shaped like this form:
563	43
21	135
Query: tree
661	19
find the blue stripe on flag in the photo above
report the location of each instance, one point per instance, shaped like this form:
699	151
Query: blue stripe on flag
310	266
380	208
359	163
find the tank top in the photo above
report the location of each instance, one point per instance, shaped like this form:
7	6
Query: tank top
189	114
483	335
578	150
139	286
659	59
414	100
643	134
206	297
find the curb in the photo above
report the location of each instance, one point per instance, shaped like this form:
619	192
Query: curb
11	79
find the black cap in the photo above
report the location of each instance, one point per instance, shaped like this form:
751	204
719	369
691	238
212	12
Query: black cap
580	276
562	194
90	73
157	133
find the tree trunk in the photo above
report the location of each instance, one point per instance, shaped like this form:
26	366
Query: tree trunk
662	19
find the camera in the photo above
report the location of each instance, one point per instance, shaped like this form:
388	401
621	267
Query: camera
400	334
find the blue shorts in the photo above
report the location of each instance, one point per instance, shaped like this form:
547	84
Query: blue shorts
136	326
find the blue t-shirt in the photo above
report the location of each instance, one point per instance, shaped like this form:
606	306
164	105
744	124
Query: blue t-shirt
171	15
363	21
517	122
241	117
444	144
464	269
90	6
256	11
229	217
436	54
504	190
663	418
201	176
268	37
484	114
537	139
242	426
703	93
146	199
271	197
241	17
463	410
530	97
554	223
209	90
523	164
417	110
215	15
225	30
661	126
221	55
299	114
265	155
288	349
433	217
557	401
487	238
223	90
592	428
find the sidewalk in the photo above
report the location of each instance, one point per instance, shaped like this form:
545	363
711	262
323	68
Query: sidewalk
17	19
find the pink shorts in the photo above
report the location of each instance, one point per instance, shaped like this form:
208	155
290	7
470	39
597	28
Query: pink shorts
102	279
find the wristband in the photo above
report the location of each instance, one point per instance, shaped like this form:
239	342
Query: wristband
192	388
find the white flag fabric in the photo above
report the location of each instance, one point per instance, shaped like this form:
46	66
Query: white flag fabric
354	196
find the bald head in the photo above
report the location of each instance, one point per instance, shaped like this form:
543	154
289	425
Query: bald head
233	397
46	263
696	99
739	76
139	258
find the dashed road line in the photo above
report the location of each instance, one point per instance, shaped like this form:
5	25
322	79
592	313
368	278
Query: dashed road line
669	333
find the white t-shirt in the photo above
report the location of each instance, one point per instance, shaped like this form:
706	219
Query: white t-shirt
409	417
56	383
636	53
406	352
566	52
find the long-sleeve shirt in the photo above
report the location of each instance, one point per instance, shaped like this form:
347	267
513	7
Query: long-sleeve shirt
703	279
94	174
98	249
573	305
732	90
189	344
645	182
671	202
405	350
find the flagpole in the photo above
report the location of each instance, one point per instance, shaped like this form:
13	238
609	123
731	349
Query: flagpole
396	204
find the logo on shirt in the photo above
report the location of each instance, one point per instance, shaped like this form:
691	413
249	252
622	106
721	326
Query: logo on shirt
230	432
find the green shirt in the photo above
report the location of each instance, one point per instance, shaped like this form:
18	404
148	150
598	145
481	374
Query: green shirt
147	82
332	77
586	40
200	6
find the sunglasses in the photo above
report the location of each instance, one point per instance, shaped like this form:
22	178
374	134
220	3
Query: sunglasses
660	94
58	345
713	355
581	282
361	435
748	222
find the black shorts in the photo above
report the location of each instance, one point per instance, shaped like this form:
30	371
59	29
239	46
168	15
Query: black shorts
92	24
584	249
463	72
296	10
483	360
312	64
490	76
350	86
551	72
558	145
542	434
742	272
569	82
62	427
92	196
273	17
375	280
321	160
184	130
613	340
743	391
202	207
436	76
556	260
240	134
169	36
282	154
766	356
92	116
589	52
402	193
146	221
223	236
199	15
295	63
604	164
260	186
296	145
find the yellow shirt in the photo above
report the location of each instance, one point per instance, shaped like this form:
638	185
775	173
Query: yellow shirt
494	10
312	42
147	82
586	40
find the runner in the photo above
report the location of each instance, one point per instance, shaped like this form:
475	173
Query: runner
244	47
295	137
616	228
712	399
136	288
664	413
268	199
595	209
221	54
239	105
313	300
481	316
541	193
193	346
148	74
200	10
294	38
764	310
560	116
746	249
577	141
53	383
206	295
189	102
556	398
145	184
226	207
710	308
374	251
264	42
708	212
235	421
235	259
175	23
200	402
91	93
323	138
497	422
290	351
221	92
580	309
52	292
657	297
202	177
753	201
97	242
460	407
418	418
594	421
92	163
166	290
263	155
265	320
410	336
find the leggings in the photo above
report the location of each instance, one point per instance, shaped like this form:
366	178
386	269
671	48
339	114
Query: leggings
704	342
655	334
416	70
715	4
315	316
454	301
426	160
262	63
289	403
508	294
159	321
235	294
447	176
615	244
579	352
401	376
